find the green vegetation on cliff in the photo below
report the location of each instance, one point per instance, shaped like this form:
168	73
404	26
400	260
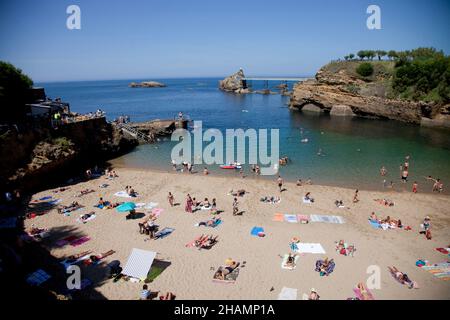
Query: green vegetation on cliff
14	86
422	74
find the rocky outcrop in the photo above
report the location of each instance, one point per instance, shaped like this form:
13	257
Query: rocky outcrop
29	156
234	83
342	92
147	84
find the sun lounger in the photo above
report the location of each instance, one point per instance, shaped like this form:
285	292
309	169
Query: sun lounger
287	294
284	262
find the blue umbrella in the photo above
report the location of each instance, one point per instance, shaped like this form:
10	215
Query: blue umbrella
127	206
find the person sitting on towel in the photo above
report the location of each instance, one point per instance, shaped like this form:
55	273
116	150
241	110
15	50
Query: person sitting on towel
209	223
145	293
101	202
205	203
290	262
223	272
308	197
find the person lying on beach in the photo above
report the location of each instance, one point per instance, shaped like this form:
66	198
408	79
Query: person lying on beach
72	207
365	295
343	248
402	278
130	191
209	223
168	296
113	205
290	262
61	189
75	257
205	204
271	199
385	202
239	193
84	192
313	295
96	258
224	271
325	267
86	216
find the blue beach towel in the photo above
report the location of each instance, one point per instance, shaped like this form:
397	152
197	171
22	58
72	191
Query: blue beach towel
163	233
374	224
45	198
256	230
217	223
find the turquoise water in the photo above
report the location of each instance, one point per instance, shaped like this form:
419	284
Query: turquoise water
353	149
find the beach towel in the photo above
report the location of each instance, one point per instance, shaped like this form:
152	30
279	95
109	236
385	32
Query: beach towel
151	205
140	205
327	219
157	211
375	224
291	218
439	270
443	250
307	201
80	241
91	217
287	294
256	230
67	263
7	223
284	262
163	233
45	198
360	296
302	218
38	277
122	194
139	263
229	278
315	248
279	217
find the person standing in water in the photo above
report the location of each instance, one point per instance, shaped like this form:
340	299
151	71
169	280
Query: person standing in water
383	171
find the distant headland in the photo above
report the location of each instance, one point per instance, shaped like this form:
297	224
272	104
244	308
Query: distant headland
147	84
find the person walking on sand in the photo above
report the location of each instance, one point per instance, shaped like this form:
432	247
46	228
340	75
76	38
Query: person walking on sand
170	198
280	183
355	197
235	207
414	187
189	203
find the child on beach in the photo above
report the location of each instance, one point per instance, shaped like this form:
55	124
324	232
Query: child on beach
280	183
414	188
170	198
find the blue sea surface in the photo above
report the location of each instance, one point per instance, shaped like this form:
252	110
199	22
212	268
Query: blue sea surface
352	149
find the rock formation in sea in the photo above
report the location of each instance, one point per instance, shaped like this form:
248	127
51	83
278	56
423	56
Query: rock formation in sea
234	83
338	90
147	84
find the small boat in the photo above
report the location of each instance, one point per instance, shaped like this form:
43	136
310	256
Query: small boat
231	166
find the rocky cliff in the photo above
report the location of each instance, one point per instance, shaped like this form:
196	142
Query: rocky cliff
337	89
30	156
147	84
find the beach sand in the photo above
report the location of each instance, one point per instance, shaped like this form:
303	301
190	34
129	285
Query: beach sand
190	272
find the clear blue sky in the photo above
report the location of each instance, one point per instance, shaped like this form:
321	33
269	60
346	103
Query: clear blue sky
126	39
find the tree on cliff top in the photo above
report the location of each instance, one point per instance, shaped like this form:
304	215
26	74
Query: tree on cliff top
14	86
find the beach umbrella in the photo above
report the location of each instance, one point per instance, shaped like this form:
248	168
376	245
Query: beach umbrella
127	206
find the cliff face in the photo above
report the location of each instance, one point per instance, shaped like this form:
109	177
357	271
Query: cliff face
337	89
30	157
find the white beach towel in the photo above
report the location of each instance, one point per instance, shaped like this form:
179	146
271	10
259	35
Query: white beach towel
327	219
287	294
306	201
139	263
292	218
285	258
140	205
151	205
315	248
122	194
88	219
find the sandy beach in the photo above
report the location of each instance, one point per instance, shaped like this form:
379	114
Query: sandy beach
190	272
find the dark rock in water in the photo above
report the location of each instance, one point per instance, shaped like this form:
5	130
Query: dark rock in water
147	84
